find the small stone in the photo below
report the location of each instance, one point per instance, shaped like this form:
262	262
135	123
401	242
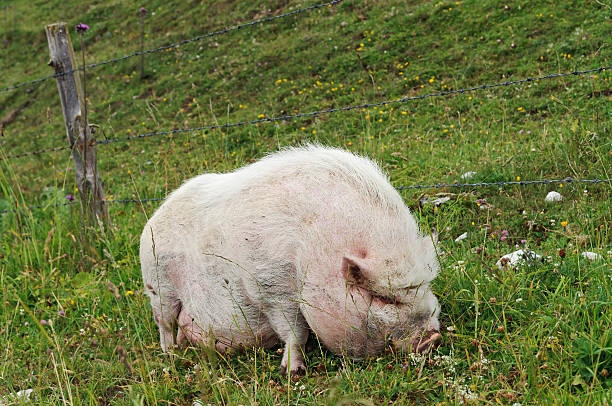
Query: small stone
553	197
17	397
441	200
468	175
461	237
436	202
516	257
591	256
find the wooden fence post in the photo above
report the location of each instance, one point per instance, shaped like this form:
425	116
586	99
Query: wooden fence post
77	128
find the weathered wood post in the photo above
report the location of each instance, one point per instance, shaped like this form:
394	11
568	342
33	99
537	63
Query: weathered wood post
79	135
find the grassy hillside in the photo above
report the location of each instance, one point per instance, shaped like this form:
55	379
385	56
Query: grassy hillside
74	321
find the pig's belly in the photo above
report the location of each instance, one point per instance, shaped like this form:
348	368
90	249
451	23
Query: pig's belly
224	338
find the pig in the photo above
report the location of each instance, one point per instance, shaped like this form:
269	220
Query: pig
308	238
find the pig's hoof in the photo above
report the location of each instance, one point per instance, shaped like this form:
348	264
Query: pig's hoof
297	370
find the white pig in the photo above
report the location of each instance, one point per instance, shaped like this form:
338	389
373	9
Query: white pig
309	238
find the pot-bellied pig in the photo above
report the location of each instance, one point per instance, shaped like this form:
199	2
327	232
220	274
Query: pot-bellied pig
309	238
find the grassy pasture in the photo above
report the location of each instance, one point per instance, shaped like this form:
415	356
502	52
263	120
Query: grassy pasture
74	321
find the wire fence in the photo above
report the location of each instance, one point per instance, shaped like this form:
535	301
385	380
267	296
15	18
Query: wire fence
349	108
38	152
175	45
505	183
399	188
293	116
325	111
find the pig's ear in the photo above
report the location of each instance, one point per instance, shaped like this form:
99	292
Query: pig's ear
355	271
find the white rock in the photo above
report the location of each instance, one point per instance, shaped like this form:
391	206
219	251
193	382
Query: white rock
516	258
468	175
553	197
591	256
16	398
461	237
440	200
435	202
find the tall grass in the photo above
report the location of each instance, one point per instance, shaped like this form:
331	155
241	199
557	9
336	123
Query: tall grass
75	323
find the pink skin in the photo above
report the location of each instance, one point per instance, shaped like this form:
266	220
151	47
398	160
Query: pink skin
429	341
422	343
190	333
310	239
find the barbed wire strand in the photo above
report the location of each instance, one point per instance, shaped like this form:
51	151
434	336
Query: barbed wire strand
436	186
176	45
72	202
506	183
348	108
327	111
40	151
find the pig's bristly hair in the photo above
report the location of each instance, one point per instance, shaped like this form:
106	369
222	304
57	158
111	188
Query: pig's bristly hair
399	231
285	223
356	170
359	171
374	185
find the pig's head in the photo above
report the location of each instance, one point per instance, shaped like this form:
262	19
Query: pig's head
392	289
376	297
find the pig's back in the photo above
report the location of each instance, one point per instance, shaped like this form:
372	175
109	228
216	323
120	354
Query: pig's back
283	193
306	167
313	163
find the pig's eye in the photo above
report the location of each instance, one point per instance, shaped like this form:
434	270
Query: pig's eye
385	299
413	287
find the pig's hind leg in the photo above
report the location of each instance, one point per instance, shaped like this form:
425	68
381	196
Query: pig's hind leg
166	305
165	312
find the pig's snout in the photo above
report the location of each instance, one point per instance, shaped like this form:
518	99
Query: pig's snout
427	341
421	343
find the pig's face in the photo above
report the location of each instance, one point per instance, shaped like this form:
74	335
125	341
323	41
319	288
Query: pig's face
385	299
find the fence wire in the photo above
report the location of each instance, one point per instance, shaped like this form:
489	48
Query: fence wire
506	183
348	108
40	151
399	188
320	112
175	45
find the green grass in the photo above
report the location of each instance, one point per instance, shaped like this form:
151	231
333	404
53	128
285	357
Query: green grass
537	334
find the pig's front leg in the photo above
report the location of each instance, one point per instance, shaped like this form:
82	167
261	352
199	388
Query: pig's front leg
292	329
293	359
